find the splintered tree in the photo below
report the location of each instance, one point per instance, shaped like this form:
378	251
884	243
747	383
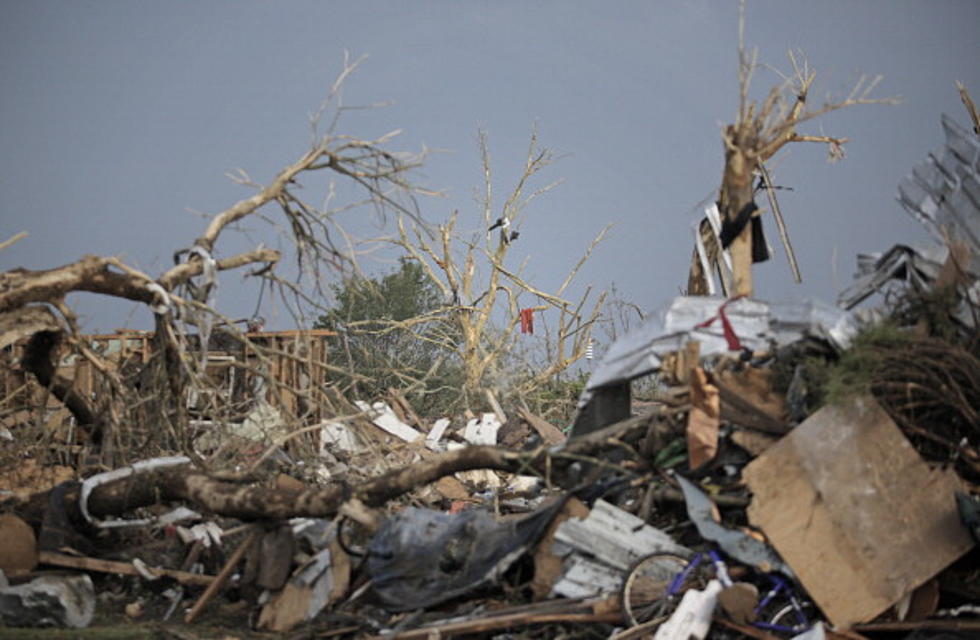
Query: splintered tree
484	292
760	130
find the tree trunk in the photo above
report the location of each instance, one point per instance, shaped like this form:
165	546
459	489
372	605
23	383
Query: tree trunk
736	193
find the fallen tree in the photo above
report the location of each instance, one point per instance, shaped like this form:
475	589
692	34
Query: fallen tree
256	501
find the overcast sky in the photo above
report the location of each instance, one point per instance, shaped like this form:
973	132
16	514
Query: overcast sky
120	118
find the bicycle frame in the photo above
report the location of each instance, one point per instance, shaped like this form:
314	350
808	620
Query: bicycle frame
780	587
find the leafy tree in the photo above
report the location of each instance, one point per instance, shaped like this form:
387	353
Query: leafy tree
393	334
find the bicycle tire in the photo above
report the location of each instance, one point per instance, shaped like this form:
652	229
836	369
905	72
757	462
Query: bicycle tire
643	593
786	617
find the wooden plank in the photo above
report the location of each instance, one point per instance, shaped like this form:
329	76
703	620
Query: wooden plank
550	434
492	399
554	611
219	581
109	566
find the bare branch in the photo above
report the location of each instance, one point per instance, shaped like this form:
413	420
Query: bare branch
9	242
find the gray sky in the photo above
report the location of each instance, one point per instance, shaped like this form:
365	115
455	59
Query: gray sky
118	117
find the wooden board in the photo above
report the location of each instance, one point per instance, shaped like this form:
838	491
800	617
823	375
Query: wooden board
854	511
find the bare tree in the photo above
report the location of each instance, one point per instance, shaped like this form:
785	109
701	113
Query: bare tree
484	292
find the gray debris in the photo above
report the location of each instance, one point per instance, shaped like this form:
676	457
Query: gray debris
757	324
943	193
737	544
49	601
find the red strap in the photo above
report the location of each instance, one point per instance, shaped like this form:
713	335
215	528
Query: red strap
726	327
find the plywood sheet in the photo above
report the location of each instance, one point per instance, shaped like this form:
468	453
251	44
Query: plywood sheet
853	509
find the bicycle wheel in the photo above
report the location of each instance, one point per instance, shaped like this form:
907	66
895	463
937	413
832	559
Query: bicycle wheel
790	620
644	593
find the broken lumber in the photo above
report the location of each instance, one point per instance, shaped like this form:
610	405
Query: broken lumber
553	612
109	566
222	577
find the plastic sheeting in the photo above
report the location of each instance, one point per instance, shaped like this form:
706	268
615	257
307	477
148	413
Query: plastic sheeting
422	557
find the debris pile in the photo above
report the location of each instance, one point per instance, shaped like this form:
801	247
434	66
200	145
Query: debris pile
801	470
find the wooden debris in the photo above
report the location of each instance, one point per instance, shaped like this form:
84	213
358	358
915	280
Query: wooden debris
748	400
739	601
677	366
548	565
404	410
321	581
452	489
288	483
513	435
966	626
275	555
497	410
28	477
361	514
219	581
703	421
550	434
108	566
550	612
971	108
855	512
753	442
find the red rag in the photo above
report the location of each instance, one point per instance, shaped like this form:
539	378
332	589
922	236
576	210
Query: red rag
726	326
527	321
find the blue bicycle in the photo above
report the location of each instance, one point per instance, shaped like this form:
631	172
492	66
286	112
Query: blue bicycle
654	586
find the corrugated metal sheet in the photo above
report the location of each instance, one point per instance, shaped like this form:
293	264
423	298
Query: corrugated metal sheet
943	193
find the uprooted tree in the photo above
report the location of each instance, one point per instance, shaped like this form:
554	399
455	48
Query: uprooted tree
143	410
147	412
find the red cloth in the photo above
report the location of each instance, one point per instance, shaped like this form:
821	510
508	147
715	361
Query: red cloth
726	327
527	321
